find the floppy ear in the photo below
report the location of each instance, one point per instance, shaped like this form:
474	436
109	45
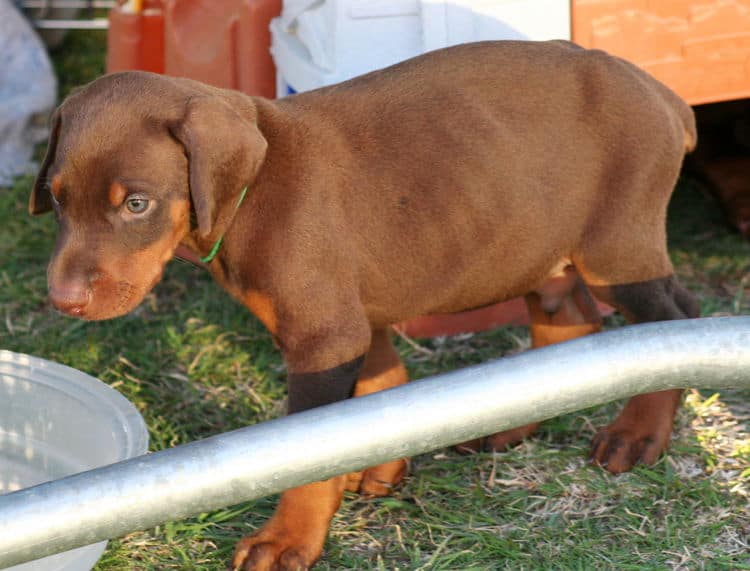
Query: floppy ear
225	150
39	201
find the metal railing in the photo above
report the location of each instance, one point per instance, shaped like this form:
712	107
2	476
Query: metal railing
419	417
45	13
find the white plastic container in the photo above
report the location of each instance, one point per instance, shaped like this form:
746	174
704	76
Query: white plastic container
56	421
320	42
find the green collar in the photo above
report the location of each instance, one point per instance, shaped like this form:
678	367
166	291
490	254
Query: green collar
212	254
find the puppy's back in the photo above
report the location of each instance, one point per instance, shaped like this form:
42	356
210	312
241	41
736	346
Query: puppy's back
512	155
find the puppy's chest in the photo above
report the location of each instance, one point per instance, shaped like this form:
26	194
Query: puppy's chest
262	306
258	302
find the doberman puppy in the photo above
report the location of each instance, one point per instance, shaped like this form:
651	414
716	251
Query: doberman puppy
450	181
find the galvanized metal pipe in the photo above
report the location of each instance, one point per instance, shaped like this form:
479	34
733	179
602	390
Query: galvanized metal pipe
47	5
264	459
95	24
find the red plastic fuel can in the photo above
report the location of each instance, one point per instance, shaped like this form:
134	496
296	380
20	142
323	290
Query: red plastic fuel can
136	40
221	42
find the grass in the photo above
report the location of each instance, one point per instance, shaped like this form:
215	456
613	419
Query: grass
196	364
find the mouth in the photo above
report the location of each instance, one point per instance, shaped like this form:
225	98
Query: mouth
108	282
125	292
105	298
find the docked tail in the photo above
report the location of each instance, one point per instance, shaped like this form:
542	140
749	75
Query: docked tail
686	116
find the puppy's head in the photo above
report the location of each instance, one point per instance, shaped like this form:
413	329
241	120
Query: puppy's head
129	156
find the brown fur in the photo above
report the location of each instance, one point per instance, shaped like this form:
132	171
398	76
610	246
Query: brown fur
455	180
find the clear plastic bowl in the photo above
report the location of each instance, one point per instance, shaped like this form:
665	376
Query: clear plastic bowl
56	421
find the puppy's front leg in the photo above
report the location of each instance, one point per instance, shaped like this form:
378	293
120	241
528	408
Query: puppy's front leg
293	538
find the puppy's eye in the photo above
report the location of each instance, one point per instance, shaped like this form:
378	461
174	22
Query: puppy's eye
136	205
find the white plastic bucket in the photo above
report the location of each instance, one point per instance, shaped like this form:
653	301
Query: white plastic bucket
56	421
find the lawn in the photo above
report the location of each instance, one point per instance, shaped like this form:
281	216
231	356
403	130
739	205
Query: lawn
196	364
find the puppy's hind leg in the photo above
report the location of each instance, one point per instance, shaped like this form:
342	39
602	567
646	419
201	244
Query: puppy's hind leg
561	309
381	370
642	430
624	260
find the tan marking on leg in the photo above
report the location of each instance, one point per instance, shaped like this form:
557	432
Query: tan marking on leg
641	432
561	309
382	370
294	536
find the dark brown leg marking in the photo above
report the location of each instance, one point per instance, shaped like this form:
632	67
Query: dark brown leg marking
310	390
661	299
641	432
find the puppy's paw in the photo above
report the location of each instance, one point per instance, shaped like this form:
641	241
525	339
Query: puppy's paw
618	449
266	551
498	442
378	480
470	446
294	536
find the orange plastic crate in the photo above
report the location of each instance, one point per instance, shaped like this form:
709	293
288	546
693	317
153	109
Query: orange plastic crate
701	49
